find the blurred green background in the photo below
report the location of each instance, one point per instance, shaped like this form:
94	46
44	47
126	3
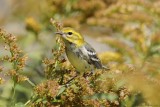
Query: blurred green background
125	33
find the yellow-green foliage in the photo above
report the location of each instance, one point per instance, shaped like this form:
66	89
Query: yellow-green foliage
131	30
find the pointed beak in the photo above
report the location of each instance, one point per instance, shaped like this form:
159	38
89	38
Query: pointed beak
60	33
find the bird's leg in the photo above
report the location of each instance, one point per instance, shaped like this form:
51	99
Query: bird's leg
91	73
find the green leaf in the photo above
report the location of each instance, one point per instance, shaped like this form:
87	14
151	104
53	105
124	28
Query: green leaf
61	90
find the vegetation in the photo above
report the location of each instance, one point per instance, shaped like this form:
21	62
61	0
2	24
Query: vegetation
37	75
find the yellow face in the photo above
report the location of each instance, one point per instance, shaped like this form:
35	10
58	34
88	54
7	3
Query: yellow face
72	36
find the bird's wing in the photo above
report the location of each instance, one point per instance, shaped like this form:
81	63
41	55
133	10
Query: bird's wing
89	54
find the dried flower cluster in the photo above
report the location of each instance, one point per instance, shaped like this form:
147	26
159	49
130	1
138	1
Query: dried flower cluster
46	94
16	57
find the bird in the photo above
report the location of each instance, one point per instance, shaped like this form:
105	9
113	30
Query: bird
80	54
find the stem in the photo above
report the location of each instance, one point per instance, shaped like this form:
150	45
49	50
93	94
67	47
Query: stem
13	94
14	90
14	62
31	83
62	75
68	82
13	78
27	102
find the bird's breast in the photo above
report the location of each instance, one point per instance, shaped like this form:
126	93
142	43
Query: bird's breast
77	61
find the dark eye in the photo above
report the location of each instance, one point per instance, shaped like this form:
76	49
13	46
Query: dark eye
69	33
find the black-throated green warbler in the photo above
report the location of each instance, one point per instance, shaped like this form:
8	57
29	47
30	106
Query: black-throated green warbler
80	54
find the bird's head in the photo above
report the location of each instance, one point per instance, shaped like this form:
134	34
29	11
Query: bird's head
70	35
